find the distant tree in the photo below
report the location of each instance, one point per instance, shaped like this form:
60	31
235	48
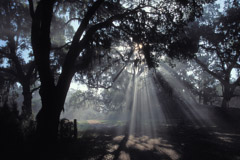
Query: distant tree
15	48
219	51
200	83
6	81
207	89
110	97
16	56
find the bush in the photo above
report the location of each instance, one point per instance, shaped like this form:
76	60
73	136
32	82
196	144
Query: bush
10	125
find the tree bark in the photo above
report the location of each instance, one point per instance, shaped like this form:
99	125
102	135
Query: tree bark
227	95
225	103
53	98
27	102
48	116
53	95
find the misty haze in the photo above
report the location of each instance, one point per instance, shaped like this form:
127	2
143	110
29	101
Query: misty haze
120	80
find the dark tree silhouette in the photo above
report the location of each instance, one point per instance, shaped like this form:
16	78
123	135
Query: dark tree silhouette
6	81
15	37
220	40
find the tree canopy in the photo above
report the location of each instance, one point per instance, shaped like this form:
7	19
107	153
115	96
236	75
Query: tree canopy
219	51
17	64
147	28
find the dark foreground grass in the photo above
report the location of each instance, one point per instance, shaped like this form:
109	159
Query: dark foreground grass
110	140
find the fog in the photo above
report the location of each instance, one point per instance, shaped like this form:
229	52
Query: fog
149	99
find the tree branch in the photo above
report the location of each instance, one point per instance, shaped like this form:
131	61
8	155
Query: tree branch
31	8
204	67
116	77
9	71
121	56
221	60
91	11
99	86
30	70
72	19
60	47
234	62
35	89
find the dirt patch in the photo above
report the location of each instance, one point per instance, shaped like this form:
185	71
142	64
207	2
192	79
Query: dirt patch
94	122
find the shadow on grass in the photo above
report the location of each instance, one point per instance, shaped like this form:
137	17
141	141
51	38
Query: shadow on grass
181	141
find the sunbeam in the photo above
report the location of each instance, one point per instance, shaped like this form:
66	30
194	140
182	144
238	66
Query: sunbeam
142	104
185	101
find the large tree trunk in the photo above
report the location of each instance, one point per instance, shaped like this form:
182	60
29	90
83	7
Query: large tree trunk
227	95
53	96
53	99
205	100
48	116
225	103
226	99
27	102
199	99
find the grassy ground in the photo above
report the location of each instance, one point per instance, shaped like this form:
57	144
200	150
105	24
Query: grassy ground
171	143
109	140
96	124
101	139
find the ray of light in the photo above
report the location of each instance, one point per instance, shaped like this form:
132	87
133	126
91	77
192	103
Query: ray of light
186	101
145	110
